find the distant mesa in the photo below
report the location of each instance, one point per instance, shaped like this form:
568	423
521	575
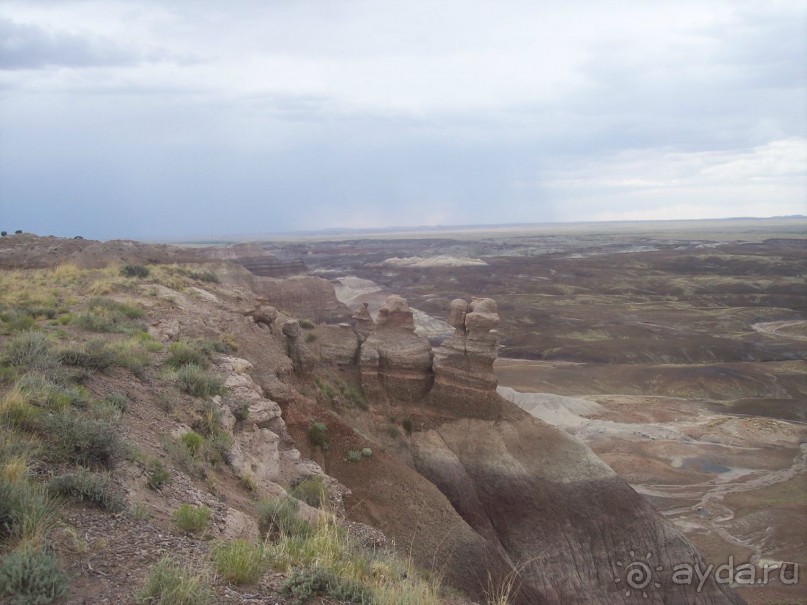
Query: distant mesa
441	260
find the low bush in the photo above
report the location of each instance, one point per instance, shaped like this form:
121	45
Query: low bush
169	583
240	561
80	439
84	486
311	490
317	434
32	351
94	355
208	421
217	448
183	457
306	325
48	394
135	271
16	321
304	583
158	475
31	575
192	519
183	352
354	456
195	381
279	517
407	426
310	337
118	401
366	452
107	315
193	441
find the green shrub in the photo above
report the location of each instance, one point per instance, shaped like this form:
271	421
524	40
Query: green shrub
107	315
31	350
48	394
130	354
353	394
16	321
279	517
304	583
182	353
98	354
158	475
193	519
168	583
366	452
195	381
311	490
30	575
118	401
134	271
354	456
193	441
310	337
217	447
407	425
306	325
208	421
80	439
317	434
94	355
205	276
84	486
240	561
182	457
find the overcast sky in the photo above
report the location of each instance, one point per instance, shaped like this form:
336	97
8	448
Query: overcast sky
160	119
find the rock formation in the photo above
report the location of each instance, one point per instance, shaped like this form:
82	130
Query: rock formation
521	493
395	362
463	365
363	321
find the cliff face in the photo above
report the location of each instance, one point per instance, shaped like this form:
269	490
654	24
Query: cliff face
522	494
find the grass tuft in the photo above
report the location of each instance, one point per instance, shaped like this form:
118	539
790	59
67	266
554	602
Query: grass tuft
192	519
240	561
84	486
311	490
196	381
278	517
169	583
32	351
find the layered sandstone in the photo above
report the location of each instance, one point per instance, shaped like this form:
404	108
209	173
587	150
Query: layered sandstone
395	362
522	494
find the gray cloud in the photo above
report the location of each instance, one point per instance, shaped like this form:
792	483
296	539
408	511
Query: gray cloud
24	46
317	114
